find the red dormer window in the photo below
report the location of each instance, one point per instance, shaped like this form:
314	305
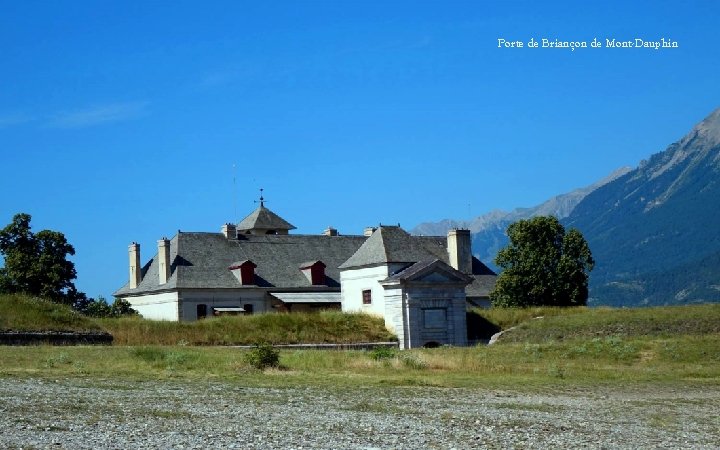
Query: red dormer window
314	271
244	271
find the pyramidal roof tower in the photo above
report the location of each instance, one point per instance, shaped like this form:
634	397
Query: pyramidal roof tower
264	221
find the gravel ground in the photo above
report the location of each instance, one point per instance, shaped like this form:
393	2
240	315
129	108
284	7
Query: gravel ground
92	414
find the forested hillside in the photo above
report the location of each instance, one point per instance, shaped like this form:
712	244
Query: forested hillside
655	232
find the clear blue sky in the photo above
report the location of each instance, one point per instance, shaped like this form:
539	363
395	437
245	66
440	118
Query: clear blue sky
120	121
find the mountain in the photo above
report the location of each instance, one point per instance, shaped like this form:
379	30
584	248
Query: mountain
655	231
488	230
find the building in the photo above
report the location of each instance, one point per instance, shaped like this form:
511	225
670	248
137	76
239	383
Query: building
420	285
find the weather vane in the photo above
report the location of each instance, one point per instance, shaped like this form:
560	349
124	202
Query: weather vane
262	200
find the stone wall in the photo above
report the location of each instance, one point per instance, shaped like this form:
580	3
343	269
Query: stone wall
55	338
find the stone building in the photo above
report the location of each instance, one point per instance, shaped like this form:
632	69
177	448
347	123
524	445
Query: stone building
420	285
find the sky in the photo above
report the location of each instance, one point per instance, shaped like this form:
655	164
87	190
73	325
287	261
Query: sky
126	121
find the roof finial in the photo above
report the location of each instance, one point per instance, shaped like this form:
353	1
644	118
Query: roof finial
262	200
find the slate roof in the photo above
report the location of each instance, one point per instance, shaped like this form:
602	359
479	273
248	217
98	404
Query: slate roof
392	244
481	286
264	219
202	260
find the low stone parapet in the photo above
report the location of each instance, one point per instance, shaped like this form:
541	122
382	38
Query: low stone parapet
349	346
55	338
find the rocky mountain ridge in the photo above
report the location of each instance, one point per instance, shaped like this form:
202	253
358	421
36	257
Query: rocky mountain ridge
489	229
655	232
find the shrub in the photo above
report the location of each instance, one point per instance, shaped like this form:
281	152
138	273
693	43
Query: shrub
263	356
380	353
412	361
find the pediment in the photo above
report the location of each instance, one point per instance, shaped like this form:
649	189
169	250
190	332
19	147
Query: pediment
437	277
435	271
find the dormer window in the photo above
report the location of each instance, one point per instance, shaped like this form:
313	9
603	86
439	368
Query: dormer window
244	271
314	271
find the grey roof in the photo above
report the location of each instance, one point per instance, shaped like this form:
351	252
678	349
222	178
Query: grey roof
484	280
481	286
264	219
202	260
392	244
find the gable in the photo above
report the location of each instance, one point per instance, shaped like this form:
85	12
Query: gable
437	277
434	271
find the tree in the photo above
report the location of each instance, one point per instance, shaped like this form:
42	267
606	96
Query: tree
36	264
101	308
542	265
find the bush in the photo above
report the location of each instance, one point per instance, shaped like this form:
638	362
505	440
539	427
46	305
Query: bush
380	353
102	309
412	361
263	356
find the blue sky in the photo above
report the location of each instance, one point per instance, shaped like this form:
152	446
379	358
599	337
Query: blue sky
121	121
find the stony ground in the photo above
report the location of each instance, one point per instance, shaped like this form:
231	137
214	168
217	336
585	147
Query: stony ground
93	414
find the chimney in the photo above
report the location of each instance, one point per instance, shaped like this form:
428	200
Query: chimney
135	275
163	260
459	251
330	231
369	230
229	231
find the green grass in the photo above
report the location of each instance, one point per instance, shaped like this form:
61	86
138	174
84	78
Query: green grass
574	347
588	323
681	360
296	328
505	318
24	313
20	312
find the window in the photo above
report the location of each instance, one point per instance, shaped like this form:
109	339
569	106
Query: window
201	311
248	309
367	297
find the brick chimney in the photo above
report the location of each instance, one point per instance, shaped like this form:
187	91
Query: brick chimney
459	250
135	275
163	260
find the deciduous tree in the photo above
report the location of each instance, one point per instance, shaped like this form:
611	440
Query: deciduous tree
36	264
542	265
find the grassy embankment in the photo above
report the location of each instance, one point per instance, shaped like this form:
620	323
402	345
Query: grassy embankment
22	313
568	347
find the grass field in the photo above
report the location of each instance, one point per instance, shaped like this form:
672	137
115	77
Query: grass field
548	347
685	359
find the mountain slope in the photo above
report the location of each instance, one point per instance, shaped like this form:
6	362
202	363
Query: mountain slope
488	230
655	231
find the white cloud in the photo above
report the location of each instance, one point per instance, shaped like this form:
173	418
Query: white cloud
97	115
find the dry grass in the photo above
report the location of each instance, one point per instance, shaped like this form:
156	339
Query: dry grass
322	327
